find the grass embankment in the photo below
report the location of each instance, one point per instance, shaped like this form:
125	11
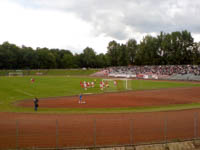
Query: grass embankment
51	72
13	89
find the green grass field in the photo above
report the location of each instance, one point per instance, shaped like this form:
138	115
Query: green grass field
14	89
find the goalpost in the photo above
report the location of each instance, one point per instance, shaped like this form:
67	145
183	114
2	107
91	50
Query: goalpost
118	84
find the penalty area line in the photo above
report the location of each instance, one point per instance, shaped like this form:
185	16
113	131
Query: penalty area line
23	92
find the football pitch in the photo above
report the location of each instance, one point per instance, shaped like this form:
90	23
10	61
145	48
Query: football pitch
15	89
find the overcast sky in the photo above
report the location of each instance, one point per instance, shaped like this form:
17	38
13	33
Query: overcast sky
76	24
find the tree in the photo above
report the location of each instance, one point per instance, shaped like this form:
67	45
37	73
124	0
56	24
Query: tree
148	51
123	57
65	59
131	46
46	58
77	61
186	42
166	49
3	58
89	57
113	53
175	47
101	61
195	53
29	58
10	57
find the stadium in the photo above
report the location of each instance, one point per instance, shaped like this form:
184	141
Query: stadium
132	114
99	75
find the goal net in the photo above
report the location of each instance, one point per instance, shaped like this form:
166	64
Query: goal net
116	85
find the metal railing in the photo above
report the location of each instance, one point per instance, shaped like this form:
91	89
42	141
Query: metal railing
95	132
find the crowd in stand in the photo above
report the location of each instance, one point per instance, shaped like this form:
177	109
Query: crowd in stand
158	70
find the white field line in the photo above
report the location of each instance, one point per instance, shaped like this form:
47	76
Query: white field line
26	93
87	93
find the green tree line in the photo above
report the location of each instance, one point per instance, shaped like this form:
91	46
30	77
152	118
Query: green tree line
166	49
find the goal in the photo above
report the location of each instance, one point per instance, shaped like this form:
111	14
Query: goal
15	73
117	84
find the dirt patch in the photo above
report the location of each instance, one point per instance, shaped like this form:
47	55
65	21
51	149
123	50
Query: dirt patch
123	99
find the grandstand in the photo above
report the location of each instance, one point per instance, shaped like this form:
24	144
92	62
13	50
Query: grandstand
172	72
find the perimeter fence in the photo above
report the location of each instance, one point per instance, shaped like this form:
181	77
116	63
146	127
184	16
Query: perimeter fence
100	131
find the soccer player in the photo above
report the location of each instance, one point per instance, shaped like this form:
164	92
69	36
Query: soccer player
92	84
80	98
88	84
81	84
85	85
101	85
107	85
36	103
32	80
115	82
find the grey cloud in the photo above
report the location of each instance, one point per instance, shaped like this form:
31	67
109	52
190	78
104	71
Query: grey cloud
112	17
